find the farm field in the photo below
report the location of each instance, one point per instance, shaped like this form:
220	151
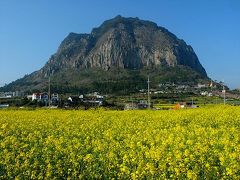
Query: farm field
199	143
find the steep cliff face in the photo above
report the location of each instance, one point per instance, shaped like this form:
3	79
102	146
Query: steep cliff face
111	52
127	43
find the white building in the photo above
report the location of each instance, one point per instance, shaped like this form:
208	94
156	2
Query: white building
40	96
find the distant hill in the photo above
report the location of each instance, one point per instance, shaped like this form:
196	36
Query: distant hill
116	57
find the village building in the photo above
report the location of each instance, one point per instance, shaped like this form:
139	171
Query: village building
44	97
92	99
9	94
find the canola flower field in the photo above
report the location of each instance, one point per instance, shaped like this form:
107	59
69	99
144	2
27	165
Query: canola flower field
199	143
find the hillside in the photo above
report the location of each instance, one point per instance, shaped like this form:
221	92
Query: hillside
115	57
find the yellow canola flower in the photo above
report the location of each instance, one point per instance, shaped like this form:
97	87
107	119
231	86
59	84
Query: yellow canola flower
97	144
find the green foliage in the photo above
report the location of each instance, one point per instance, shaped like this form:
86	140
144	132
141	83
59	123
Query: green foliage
114	81
122	81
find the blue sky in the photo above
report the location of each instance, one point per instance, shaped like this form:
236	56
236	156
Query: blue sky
31	31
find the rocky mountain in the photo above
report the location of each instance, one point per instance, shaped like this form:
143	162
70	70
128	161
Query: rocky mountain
121	49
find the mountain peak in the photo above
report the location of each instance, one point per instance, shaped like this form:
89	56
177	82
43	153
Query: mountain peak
124	43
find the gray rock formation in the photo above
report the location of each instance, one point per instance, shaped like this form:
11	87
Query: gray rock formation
118	47
127	43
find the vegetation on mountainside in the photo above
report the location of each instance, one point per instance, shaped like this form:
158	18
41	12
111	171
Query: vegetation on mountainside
114	81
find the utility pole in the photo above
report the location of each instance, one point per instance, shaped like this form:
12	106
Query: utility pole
149	101
224	94
211	86
49	89
132	102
